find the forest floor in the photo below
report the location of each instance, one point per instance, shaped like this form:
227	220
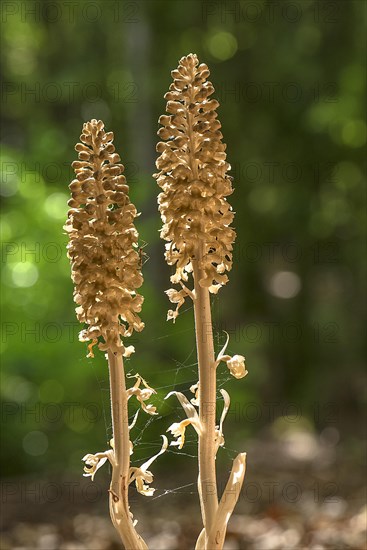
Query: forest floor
303	493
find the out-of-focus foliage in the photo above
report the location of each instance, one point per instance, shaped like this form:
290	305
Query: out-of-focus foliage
290	80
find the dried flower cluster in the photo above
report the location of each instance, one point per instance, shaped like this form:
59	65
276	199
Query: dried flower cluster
194	181
103	243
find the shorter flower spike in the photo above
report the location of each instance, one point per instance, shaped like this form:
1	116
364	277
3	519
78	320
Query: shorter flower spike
103	244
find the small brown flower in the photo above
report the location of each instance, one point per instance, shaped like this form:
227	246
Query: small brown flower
103	249
193	177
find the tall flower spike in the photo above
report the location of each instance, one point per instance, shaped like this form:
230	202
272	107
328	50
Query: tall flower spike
196	225
102	245
194	181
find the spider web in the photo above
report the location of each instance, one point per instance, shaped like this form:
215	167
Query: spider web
180	377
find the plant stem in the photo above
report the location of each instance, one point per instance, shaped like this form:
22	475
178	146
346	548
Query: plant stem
119	488
207	482
207	397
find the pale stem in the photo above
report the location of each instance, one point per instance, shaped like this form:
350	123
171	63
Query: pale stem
207	398
207	482
119	488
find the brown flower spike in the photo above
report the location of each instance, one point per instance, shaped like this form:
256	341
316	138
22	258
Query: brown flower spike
103	244
194	181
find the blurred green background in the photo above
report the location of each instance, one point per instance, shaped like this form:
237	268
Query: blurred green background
290	80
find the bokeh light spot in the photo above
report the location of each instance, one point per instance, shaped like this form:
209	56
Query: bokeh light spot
31	184
79	420
9	176
22	61
284	284
300	445
222	45
35	443
16	388
24	274
56	205
354	133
